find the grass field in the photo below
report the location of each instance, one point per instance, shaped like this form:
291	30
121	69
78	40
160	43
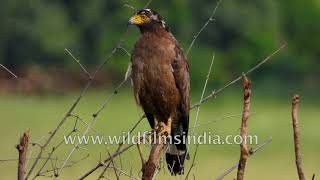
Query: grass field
270	117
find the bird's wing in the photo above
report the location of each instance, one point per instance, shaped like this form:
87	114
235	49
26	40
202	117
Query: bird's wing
180	68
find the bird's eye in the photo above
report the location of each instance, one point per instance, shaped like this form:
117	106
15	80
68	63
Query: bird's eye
144	17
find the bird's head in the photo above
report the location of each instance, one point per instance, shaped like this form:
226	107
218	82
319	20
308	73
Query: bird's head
147	19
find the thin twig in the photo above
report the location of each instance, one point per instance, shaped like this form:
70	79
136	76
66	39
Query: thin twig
116	153
296	136
193	162
78	61
244	152
211	18
251	153
22	148
73	106
198	111
147	5
143	161
95	115
10	72
216	92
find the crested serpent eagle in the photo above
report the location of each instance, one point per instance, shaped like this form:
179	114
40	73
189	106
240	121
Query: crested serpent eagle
160	76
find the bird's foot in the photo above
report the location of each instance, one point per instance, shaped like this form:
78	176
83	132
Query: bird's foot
163	129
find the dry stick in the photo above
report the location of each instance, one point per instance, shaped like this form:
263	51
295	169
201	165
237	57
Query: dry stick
113	164
215	92
193	162
296	136
150	166
95	115
73	106
115	154
78	61
69	165
22	148
122	172
121	144
251	153
143	161
106	160
244	152
197	114
54	148
211	18
5	68
148	3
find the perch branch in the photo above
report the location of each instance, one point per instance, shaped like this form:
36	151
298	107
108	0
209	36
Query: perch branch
150	166
244	152
296	136
22	148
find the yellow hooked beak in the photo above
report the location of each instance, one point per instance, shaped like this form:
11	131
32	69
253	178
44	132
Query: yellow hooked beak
137	19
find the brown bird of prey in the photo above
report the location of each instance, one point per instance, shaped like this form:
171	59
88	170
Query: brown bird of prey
160	76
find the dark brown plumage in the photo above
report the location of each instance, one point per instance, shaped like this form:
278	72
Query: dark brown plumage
160	76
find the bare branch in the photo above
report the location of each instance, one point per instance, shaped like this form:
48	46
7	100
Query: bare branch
296	136
193	162
143	161
95	115
211	18
116	153
78	61
244	152
22	148
73	106
251	153
216	92
198	111
5	68
147	4
150	166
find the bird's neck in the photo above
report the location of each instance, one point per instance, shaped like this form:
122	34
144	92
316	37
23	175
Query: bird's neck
154	28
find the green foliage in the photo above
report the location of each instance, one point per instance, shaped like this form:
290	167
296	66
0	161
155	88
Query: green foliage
36	32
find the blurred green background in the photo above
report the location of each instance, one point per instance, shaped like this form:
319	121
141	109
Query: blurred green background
34	34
